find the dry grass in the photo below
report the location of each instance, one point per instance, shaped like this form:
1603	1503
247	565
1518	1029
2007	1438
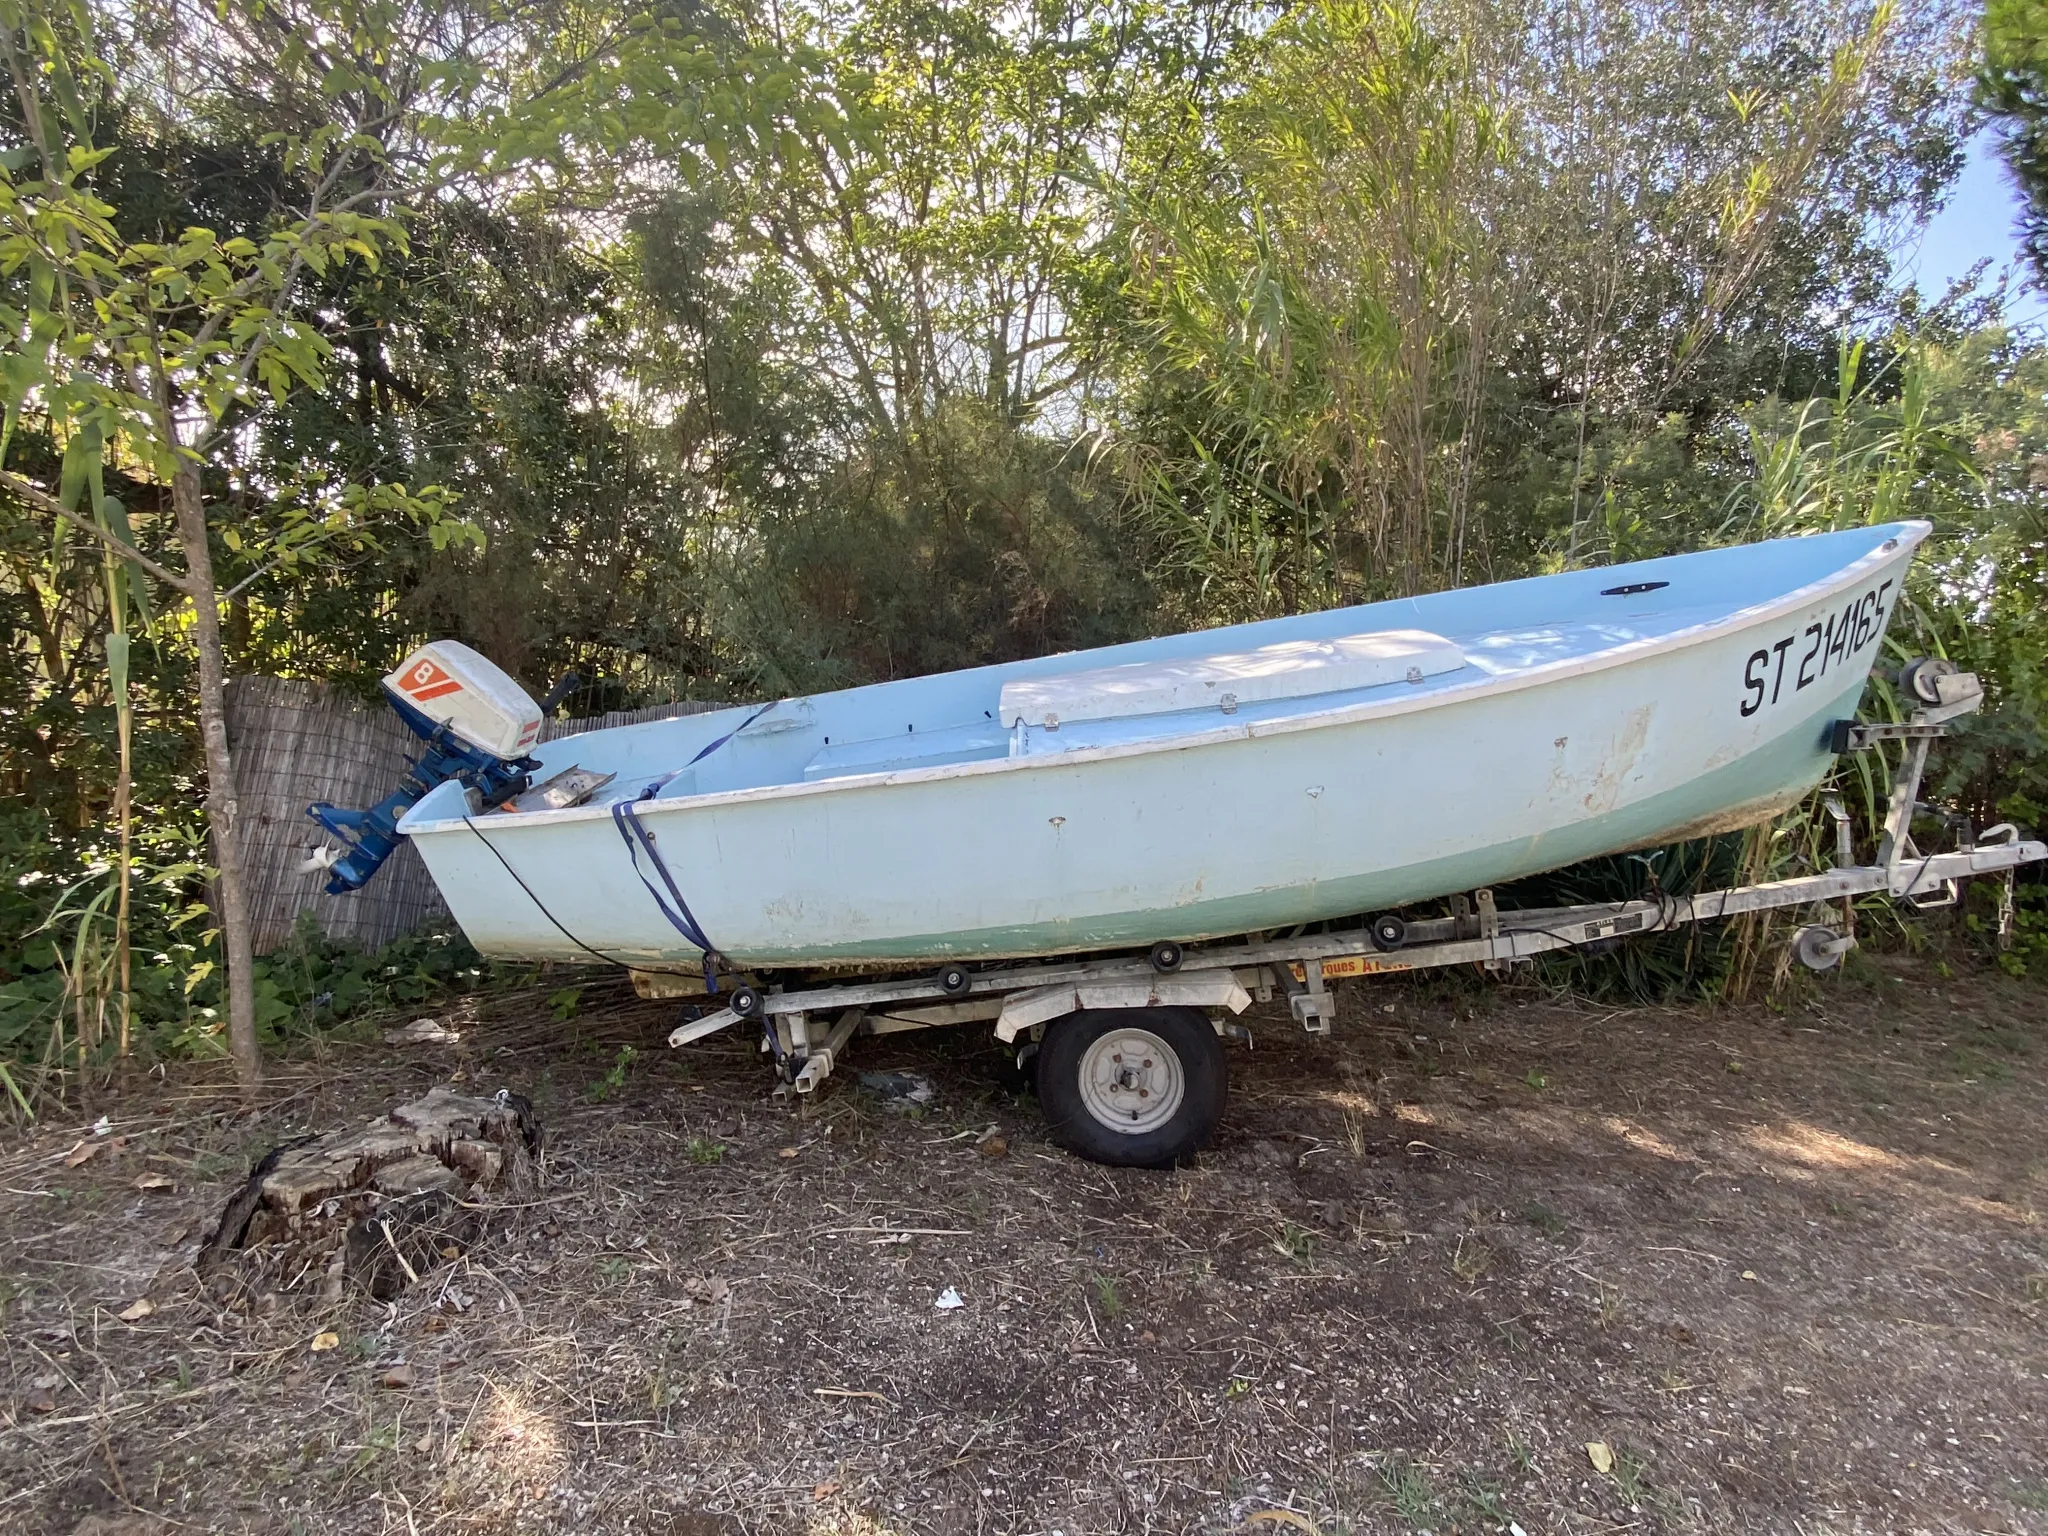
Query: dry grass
1789	1268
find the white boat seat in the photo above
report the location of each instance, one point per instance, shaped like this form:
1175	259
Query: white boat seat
1292	669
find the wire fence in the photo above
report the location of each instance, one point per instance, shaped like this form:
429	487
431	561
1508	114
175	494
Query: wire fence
296	741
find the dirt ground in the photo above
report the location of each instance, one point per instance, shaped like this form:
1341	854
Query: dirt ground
1782	1271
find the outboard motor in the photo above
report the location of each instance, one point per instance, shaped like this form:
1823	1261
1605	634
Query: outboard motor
477	724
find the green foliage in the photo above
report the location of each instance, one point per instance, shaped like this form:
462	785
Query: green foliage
963	544
54	900
1108	1296
314	983
614	1079
2013	84
1415	304
1692	961
1321	298
718	350
64	929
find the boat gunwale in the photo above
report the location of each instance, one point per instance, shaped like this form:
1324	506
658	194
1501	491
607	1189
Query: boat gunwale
1909	535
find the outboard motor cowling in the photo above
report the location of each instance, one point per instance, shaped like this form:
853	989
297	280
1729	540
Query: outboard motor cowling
477	724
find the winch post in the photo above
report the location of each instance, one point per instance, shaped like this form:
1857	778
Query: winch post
1898	819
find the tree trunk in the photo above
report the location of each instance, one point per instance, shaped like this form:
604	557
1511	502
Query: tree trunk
124	785
124	810
222	811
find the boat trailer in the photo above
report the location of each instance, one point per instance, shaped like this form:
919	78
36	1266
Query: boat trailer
1139	1074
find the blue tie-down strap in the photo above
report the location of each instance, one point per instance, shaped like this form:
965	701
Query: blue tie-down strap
656	786
625	817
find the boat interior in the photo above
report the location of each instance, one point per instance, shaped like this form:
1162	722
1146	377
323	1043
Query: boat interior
1178	685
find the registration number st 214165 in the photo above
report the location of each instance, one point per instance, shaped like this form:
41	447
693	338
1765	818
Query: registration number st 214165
1806	656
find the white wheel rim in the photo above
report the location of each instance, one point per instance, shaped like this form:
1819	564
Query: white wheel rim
1131	1081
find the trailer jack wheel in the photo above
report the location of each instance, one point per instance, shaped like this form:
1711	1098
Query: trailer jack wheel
1133	1087
1388	932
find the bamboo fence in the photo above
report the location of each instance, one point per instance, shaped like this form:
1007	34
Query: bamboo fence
296	741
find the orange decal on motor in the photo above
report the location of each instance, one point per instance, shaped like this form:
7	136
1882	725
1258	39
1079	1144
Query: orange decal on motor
427	681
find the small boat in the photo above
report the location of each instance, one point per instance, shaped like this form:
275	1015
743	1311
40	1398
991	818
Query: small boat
1191	787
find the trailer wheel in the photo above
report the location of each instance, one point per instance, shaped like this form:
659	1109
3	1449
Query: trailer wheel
1133	1087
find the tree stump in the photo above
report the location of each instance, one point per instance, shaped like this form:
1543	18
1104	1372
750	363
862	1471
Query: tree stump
382	1206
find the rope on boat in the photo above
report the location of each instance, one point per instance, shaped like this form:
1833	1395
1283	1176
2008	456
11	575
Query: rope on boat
519	880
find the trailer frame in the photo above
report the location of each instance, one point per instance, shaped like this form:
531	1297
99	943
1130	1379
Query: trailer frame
1225	976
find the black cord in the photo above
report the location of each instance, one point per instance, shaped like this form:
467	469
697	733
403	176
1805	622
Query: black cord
544	912
1907	893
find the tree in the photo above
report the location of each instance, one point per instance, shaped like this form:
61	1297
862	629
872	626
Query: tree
1325	289
2012	82
160	350
1433	273
150	351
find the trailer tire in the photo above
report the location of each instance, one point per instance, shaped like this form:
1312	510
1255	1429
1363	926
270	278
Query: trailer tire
1133	1087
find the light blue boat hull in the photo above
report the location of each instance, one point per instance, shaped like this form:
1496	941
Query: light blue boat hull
1586	722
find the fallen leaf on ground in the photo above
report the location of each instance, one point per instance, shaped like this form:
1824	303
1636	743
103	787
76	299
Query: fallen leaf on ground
995	1146
325	1339
1284	1517
83	1152
136	1310
40	1399
824	1490
397	1377
422	1032
790	1152
154	1182
1601	1457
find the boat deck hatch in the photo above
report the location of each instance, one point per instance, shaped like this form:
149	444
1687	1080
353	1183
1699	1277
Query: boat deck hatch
1290	670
